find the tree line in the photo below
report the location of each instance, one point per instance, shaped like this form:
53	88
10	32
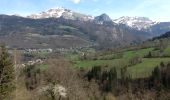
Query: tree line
120	81
7	74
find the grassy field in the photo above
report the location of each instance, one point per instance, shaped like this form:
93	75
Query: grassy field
167	51
140	52
145	68
109	56
113	62
110	63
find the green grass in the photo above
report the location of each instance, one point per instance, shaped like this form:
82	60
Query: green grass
76	55
140	52
167	51
110	56
91	63
140	70
42	67
73	57
145	68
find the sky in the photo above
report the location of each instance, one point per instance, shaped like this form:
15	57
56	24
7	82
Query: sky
156	10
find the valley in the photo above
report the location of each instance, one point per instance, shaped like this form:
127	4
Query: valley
61	54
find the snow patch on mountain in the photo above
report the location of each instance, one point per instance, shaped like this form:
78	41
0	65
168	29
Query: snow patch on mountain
53	12
59	12
138	23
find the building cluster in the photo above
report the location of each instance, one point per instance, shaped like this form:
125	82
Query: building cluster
49	50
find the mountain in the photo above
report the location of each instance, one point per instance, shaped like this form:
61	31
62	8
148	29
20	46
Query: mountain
144	24
138	23
102	19
59	12
64	28
20	32
163	36
159	28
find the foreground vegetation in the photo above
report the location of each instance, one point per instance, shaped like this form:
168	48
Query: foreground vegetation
132	73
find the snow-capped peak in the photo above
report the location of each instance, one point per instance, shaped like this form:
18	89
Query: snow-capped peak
53	12
135	22
56	12
61	12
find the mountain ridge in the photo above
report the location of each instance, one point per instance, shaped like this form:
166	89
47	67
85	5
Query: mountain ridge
101	29
138	23
59	12
106	35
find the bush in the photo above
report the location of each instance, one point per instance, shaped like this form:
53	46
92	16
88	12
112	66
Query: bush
135	60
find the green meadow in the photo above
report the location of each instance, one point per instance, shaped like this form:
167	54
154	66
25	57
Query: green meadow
140	70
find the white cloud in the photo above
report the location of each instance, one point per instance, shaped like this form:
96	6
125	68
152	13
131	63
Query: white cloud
76	1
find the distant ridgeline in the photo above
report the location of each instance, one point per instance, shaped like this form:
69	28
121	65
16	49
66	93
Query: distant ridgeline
166	35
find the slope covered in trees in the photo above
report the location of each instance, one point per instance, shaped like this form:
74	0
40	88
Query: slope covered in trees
133	72
7	74
107	34
163	36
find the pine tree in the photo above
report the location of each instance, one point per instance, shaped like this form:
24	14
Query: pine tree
156	74
113	77
149	55
123	73
7	76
